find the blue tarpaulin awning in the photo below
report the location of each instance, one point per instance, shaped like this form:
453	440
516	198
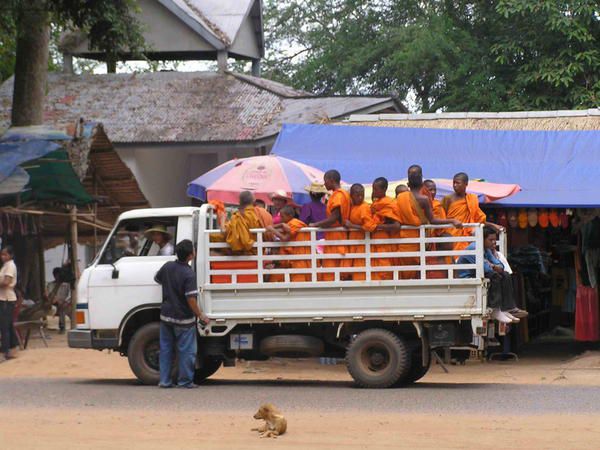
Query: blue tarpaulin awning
553	168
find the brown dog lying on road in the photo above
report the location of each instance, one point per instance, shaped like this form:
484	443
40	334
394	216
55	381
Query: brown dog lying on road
275	424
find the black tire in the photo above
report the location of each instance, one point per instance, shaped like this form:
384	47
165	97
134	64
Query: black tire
291	346
209	367
417	370
377	358
143	353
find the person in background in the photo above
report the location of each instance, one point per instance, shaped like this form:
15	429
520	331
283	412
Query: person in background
279	199
178	314
161	237
59	293
501	297
260	203
8	300
315	210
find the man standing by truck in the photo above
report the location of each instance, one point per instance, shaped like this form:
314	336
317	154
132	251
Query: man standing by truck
178	314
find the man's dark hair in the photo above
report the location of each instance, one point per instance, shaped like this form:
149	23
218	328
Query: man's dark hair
333	175
10	250
57	272
487	230
382	182
259	202
463	176
184	249
428	181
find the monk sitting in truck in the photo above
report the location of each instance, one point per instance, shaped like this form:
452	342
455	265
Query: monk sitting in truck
289	231
361	220
237	229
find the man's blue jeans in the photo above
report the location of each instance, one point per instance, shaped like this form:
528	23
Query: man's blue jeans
184	339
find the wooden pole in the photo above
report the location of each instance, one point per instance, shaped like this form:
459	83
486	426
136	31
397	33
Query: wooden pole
74	264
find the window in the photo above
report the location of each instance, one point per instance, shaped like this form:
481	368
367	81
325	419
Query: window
154	236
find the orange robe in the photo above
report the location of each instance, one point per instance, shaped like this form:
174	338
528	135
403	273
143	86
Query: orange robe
360	215
441	273
437	210
412	214
465	210
339	199
237	231
384	208
297	236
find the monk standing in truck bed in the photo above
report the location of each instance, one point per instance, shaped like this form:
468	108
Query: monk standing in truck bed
338	211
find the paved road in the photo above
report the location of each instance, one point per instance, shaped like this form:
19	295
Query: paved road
220	395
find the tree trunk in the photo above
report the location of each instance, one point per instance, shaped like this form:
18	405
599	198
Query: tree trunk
31	65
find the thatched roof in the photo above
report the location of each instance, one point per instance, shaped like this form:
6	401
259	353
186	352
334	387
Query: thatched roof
529	120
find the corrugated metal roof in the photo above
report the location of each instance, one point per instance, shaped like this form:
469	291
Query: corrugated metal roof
183	106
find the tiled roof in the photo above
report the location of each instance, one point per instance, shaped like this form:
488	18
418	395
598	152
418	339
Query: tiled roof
183	106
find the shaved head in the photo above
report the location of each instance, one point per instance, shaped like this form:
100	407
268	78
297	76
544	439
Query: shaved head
416	169
381	182
333	175
401	188
356	188
288	210
246	198
462	176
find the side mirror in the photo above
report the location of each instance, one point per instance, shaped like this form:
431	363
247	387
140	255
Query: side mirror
115	273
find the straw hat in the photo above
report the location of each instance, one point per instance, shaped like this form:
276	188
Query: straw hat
157	228
280	193
316	188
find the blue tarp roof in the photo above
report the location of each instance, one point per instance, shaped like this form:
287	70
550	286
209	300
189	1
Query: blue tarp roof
554	168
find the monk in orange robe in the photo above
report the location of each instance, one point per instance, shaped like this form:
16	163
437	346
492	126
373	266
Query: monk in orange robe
289	231
436	206
415	171
361	220
385	210
415	210
463	207
237	229
400	189
338	211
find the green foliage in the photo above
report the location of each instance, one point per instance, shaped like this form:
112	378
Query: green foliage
450	55
111	25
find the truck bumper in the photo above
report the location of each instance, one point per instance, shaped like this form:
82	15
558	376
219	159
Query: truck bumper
80	338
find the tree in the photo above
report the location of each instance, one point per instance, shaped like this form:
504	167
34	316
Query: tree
110	25
451	55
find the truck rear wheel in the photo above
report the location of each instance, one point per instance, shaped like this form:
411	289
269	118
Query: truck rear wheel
416	370
377	358
143	353
209	367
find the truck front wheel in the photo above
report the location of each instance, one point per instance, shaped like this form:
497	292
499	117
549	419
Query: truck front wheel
143	353
377	358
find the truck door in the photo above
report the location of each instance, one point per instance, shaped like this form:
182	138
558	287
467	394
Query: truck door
123	277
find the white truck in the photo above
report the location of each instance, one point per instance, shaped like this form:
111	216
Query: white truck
385	329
